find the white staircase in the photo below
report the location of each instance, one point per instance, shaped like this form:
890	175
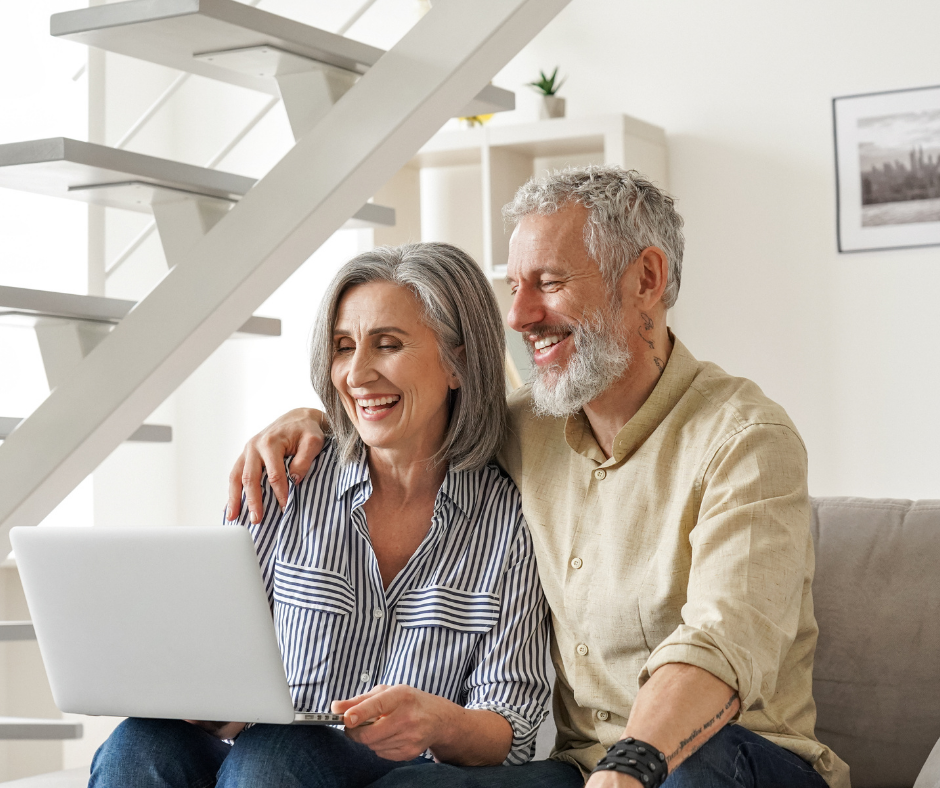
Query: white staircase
358	114
24	727
68	326
308	68
16	630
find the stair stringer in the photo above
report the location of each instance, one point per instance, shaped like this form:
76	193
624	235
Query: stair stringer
436	68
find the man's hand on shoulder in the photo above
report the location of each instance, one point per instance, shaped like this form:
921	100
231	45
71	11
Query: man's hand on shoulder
296	433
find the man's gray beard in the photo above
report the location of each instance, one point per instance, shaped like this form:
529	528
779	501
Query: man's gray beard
600	359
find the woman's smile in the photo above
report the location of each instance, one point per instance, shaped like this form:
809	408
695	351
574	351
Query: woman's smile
377	407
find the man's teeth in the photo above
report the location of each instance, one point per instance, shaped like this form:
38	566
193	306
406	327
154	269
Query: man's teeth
544	342
374	403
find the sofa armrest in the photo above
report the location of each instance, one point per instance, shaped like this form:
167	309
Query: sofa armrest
929	776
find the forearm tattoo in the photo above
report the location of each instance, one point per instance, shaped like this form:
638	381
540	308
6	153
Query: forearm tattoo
689	744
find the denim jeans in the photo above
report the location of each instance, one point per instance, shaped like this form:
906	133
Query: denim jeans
143	753
736	758
733	758
535	774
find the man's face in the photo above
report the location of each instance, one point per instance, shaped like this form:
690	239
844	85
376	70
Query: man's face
572	324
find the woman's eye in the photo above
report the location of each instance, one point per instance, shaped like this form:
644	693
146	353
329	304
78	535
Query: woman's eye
344	349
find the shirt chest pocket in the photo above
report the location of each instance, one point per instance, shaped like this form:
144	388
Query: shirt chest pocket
438	606
312	589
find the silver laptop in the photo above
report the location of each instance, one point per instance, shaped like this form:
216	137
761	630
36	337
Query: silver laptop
155	622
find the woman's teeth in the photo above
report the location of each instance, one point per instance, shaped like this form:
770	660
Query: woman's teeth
544	342
377	403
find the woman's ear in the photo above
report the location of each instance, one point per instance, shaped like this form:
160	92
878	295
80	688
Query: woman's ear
454	381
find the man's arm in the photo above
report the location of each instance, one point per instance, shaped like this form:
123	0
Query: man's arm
298	433
679	709
751	554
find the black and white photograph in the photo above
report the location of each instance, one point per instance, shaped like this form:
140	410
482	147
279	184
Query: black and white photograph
888	164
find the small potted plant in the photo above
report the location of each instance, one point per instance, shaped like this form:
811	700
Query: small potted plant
553	106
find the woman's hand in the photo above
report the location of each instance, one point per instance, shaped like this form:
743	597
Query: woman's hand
399	723
297	432
221	730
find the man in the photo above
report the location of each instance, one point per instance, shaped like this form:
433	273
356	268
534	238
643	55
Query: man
667	502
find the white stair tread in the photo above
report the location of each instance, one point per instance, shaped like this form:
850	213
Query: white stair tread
70	778
26	728
174	32
28	305
16	630
63	167
145	433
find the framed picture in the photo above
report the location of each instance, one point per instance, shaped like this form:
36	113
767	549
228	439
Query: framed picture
888	169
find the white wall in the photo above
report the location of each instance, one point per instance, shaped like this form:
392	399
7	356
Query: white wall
845	342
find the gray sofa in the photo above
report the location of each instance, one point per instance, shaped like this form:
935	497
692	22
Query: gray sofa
877	669
876	677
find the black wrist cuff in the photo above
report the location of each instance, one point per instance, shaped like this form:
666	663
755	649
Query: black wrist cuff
636	759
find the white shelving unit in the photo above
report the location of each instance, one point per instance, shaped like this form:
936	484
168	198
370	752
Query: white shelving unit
456	186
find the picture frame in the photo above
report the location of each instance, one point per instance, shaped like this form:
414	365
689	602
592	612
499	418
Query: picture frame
887	149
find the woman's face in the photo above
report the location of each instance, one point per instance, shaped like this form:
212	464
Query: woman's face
388	372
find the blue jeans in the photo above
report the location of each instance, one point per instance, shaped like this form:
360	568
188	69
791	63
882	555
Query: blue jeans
144	753
733	758
737	758
535	774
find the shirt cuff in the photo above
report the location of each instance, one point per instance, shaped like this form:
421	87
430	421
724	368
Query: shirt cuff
524	731
709	651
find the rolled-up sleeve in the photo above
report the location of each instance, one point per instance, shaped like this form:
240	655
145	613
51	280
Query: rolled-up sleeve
751	556
509	675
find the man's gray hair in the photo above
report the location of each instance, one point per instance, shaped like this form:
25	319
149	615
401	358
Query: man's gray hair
459	306
626	214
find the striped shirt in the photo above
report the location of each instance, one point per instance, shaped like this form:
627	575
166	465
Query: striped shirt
465	619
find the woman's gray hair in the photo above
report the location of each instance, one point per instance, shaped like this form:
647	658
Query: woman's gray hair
626	214
459	306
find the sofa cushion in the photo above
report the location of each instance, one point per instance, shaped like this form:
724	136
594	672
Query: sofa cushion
876	678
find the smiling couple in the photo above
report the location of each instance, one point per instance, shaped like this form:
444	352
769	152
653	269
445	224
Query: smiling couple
664	502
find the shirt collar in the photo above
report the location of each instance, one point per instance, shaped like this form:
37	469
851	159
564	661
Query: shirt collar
680	371
353	473
459	487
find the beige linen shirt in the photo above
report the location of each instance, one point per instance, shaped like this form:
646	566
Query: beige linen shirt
690	544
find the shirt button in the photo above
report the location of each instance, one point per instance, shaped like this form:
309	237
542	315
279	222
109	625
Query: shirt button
582	649
377	613
600	473
364	677
603	716
576	563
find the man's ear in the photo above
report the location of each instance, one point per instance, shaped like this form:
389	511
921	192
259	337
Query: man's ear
650	276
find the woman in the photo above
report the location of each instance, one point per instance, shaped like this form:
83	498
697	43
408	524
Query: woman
400	573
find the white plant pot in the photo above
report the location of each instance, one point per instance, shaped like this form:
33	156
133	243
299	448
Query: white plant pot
551	107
